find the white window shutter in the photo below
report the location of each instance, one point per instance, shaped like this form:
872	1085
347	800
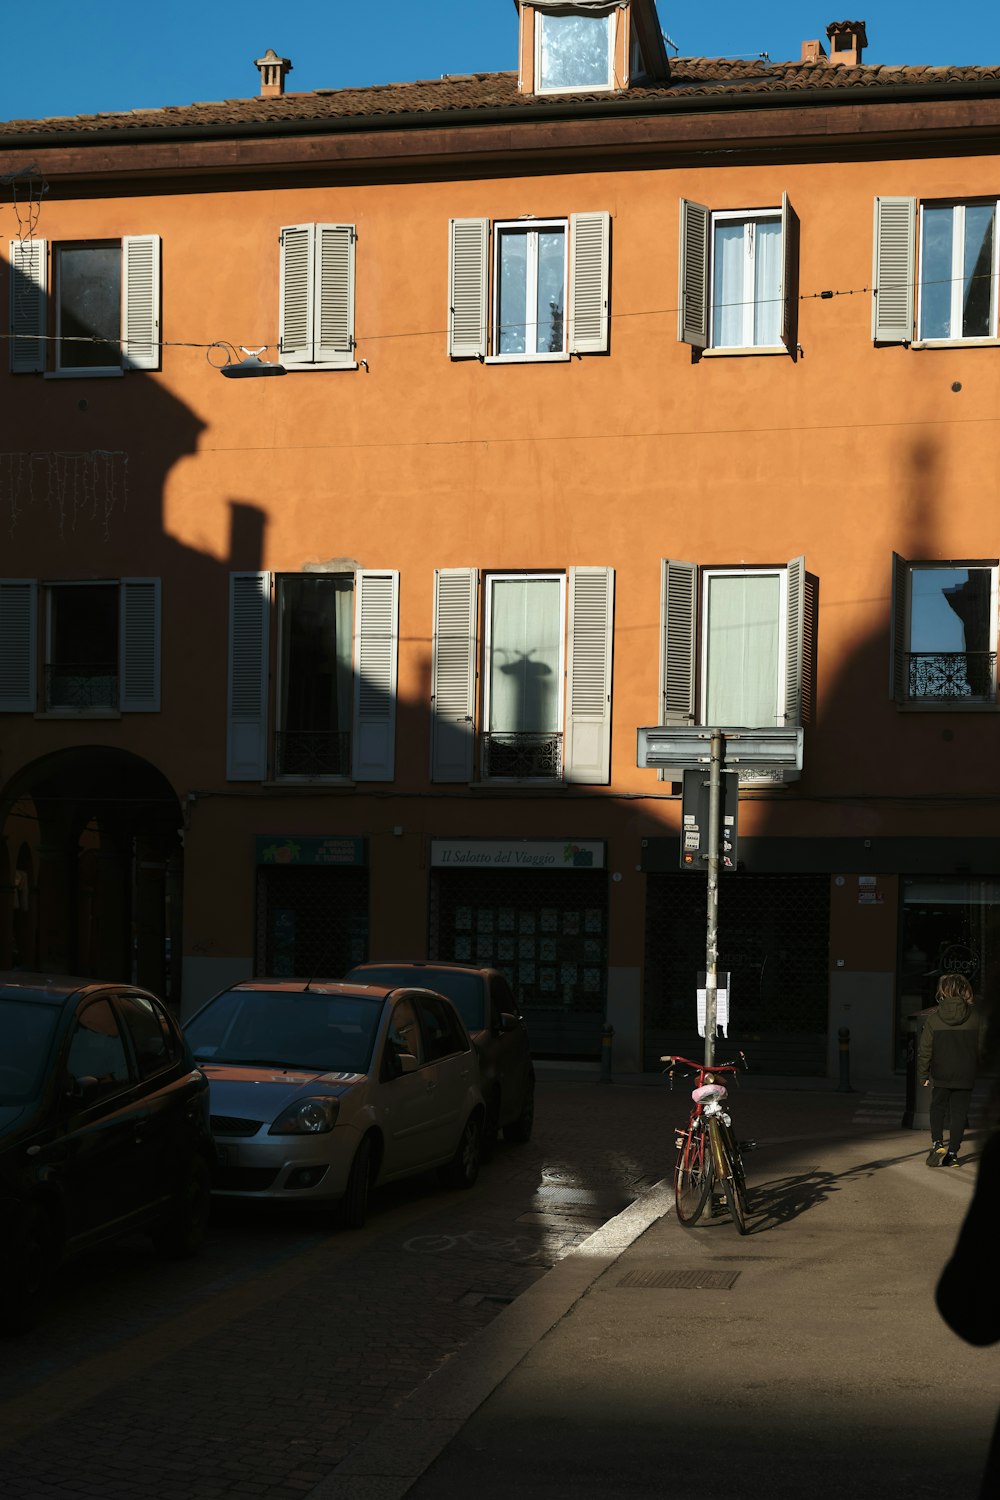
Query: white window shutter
296	295
334	296
692	304
588	673
789	293
468	264
893	270
249	619
376	630
141	302
29	263
899	638
453	673
18	645
589	286
139	633
795	640
678	625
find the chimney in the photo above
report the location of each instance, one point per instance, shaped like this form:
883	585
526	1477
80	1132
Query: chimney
848	39
813	52
272	73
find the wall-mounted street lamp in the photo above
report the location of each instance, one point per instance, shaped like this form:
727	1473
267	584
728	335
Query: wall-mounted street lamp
250	368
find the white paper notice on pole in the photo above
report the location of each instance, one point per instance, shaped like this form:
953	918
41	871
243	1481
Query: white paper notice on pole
721	1009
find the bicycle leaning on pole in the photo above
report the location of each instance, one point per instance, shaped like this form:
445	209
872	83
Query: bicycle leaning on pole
707	1150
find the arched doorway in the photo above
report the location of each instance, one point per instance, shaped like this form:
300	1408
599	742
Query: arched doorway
99	855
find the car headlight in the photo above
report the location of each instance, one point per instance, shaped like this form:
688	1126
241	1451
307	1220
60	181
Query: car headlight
307	1117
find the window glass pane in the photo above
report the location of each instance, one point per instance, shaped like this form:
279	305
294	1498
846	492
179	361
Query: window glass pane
26	1032
950	609
82	667
574	51
334	1032
150	1038
96	1049
525	632
978	270
317	626
935	272
728	285
551	292
512	294
90	293
767	281
742	624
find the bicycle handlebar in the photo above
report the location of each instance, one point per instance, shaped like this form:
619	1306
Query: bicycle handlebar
702	1067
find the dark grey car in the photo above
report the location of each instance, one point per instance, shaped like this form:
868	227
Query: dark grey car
486	1003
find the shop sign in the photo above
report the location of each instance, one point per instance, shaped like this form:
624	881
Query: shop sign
296	849
520	854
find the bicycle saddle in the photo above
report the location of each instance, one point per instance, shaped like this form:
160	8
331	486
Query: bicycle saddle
708	1091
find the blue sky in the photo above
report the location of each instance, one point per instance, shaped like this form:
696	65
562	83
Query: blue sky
94	55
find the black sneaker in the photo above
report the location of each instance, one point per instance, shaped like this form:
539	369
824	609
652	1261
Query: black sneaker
950	1160
936	1155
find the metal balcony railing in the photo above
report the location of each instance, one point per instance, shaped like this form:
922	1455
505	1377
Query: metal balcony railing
313	752
522	757
945	676
81	684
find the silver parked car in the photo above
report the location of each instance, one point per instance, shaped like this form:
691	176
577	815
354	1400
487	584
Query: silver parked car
320	1090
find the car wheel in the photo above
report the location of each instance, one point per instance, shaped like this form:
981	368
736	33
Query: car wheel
463	1169
183	1231
491	1128
25	1269
352	1209
519	1129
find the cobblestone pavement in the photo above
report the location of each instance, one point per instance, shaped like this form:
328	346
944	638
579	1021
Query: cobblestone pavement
249	1372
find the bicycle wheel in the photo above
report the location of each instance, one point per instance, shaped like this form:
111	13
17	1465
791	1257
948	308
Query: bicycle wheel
692	1178
736	1187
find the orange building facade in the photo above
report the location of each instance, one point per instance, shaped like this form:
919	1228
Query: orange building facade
662	394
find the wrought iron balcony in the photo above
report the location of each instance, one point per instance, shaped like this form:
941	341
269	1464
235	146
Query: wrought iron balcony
945	676
522	757
82	684
313	752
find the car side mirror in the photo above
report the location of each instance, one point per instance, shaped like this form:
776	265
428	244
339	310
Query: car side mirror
509	1022
78	1090
407	1062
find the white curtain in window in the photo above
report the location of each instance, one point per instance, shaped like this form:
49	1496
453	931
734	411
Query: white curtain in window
525	630
728	286
767	275
742	650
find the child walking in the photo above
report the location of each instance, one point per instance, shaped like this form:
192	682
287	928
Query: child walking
947	1059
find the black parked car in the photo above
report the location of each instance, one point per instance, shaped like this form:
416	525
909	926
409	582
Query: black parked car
103	1129
486	1003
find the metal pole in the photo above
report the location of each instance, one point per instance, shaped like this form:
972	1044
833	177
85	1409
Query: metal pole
712	918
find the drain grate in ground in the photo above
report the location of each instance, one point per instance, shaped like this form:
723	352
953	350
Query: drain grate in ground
707	1281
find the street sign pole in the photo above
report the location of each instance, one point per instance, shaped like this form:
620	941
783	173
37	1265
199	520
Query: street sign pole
712	916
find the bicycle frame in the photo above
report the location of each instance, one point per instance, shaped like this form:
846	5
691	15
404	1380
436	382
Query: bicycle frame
695	1174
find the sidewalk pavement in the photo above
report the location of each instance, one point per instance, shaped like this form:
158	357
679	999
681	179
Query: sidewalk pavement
660	1361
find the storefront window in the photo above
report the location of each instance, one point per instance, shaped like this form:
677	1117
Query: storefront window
949	926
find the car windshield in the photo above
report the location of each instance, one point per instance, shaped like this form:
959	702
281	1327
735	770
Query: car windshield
26	1031
275	1028
466	991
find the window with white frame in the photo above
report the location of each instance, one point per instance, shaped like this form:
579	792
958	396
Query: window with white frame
104	316
542	294
735	645
738	277
944	632
101	643
936	268
574	51
543	703
335	650
316	301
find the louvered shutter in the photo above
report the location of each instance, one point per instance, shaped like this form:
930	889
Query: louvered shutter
249	617
588	674
141	302
375	647
335	294
899	635
795	608
692	304
589	247
18	645
893	270
296	296
789	293
28	280
453	673
678	620
140	645
468	250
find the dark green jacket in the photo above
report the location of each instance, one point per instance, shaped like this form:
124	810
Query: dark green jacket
949	1048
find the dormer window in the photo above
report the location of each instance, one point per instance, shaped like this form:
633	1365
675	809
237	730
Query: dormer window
574	51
